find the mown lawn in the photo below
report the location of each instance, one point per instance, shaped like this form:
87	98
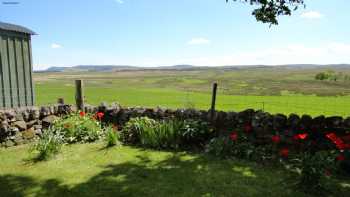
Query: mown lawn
91	170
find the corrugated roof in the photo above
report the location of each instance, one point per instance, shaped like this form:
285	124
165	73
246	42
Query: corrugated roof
16	28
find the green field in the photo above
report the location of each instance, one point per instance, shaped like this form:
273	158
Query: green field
92	170
277	90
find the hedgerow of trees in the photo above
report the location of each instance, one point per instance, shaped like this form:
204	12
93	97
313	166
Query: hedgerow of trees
331	75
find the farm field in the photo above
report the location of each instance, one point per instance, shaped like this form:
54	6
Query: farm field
276	90
92	170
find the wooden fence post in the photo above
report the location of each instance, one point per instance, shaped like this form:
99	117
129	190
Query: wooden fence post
79	95
60	101
213	101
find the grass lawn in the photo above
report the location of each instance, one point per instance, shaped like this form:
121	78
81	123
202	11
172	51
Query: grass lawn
91	170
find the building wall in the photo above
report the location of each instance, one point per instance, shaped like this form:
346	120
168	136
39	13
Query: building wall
16	85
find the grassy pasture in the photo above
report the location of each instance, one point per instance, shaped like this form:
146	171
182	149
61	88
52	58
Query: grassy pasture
277	90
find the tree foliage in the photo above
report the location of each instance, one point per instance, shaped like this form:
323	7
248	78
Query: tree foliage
331	75
269	10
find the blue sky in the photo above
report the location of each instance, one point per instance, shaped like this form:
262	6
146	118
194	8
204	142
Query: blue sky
169	32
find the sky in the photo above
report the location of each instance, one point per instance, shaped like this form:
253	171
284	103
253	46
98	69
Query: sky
171	32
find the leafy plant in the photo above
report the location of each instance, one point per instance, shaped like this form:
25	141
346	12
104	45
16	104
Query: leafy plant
79	128
49	144
218	146
313	167
233	146
195	132
112	136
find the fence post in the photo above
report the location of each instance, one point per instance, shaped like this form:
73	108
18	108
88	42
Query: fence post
79	95
60	101
213	101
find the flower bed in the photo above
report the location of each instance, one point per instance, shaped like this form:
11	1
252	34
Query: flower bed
314	147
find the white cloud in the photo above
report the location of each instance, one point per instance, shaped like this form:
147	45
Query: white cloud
327	53
119	1
198	41
311	15
56	46
293	53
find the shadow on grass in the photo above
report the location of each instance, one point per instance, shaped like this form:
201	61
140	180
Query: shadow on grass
178	175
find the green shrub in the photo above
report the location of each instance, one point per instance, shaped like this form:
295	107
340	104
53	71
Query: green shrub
49	144
313	167
78	128
195	132
111	137
225	147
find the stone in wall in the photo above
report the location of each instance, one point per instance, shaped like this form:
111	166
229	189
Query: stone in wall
22	125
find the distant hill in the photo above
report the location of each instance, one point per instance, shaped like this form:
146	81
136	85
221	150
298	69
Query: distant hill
115	68
90	68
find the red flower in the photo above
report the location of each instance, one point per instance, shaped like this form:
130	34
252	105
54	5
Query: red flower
284	152
234	136
82	114
331	136
248	128
337	141
340	158
100	115
327	173
341	146
301	136
276	139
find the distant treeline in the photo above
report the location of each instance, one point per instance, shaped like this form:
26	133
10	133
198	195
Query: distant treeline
331	75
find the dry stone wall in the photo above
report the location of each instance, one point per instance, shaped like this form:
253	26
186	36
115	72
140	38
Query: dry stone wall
23	125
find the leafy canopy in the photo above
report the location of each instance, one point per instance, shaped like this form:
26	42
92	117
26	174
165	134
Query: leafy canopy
269	10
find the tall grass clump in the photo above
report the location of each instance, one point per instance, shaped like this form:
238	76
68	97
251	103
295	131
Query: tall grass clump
162	134
111	136
171	133
134	128
48	145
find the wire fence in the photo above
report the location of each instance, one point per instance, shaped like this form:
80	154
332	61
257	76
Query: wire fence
95	94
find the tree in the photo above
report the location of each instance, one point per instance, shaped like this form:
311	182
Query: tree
269	10
321	76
